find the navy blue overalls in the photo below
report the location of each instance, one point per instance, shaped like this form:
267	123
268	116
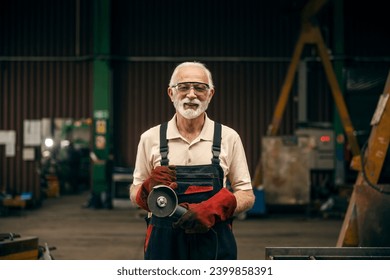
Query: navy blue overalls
196	183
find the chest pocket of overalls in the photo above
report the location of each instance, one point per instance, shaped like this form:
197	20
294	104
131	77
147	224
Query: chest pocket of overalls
198	183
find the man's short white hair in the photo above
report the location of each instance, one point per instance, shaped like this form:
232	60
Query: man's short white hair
196	64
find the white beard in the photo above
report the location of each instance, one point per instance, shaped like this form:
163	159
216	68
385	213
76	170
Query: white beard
190	113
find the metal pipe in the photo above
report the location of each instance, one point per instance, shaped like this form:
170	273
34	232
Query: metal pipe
183	58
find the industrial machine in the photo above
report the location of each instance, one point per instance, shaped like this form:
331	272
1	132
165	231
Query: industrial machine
298	169
122	178
64	162
322	143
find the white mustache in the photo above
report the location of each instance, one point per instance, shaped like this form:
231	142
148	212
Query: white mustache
193	101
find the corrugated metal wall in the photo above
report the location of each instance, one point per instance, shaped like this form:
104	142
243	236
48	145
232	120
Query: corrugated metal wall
46	55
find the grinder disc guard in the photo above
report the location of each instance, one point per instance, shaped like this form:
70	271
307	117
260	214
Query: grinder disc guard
162	201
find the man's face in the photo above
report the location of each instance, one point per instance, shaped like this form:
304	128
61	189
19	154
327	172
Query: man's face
191	95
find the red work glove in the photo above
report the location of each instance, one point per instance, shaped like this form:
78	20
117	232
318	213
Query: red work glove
161	175
200	217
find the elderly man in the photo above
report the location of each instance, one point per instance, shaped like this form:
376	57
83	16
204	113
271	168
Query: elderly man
197	158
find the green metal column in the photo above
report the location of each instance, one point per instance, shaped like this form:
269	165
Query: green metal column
339	66
101	94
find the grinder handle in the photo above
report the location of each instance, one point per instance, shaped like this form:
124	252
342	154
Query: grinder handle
179	211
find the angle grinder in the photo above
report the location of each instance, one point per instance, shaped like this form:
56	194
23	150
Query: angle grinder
163	202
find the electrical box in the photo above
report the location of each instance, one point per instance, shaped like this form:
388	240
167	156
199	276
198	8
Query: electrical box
322	142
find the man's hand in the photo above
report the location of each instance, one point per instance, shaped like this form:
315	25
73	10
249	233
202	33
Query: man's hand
161	175
200	217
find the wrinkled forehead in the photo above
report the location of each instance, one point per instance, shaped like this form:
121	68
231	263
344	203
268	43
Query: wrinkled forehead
191	74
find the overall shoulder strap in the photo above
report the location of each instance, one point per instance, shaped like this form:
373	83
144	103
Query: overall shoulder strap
164	144
216	148
216	143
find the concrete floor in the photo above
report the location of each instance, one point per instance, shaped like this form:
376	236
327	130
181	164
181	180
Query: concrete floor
88	234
